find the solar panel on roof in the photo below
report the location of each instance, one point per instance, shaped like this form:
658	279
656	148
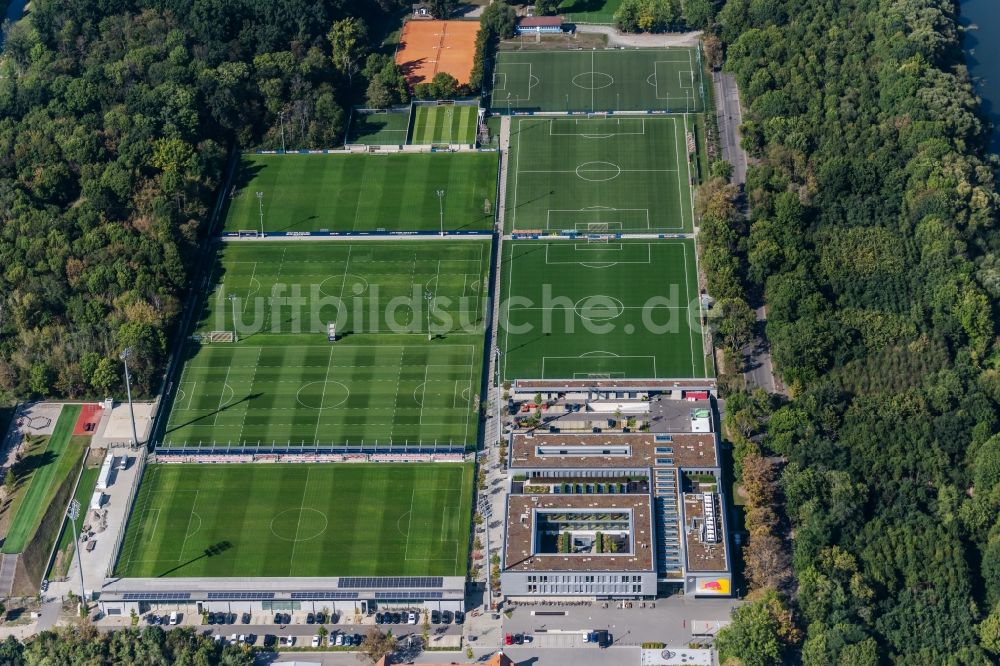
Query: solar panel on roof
357	582
324	595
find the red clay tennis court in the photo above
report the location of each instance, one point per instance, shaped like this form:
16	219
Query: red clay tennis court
429	47
90	416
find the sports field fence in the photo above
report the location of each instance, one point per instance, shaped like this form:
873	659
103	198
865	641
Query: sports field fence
140	462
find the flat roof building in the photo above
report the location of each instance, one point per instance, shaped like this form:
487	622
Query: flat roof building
674	476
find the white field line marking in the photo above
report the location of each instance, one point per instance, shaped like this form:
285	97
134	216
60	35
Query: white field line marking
222	395
322	399
687	293
187	532
298	524
249	287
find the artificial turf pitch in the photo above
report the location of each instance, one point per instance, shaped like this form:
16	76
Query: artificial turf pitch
600	81
446	123
364	192
629	310
299	520
599	175
283	383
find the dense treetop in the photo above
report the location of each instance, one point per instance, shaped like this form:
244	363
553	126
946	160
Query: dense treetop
116	119
873	243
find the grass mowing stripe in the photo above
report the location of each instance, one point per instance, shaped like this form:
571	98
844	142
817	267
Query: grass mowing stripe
363	192
351	521
45	479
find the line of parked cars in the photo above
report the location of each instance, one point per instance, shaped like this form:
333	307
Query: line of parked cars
227	618
339	640
172	619
413	617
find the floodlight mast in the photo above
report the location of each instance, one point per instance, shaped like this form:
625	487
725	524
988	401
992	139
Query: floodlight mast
429	297
73	512
260	205
124	356
440	194
232	299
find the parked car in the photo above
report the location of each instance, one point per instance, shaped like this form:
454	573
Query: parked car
397	618
459	617
518	639
446	617
269	640
320	617
378	618
358	638
310	618
339	640
348	640
316	641
174	618
508	639
411	618
245	618
435	617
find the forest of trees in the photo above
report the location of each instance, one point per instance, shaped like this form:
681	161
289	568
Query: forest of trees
873	242
116	122
151	646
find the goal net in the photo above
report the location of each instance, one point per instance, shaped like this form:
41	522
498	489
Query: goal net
219	336
597	114
595	238
249	233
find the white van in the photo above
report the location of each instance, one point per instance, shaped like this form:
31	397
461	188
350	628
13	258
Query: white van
412	618
123	463
173	618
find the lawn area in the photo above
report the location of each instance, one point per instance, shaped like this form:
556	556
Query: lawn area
46	470
589	11
449	123
384	128
364	192
629	310
299	520
599	175
599	80
283	383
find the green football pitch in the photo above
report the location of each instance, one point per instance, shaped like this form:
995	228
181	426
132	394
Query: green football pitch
299	520
605	80
582	310
380	128
382	381
364	192
446	123
599	175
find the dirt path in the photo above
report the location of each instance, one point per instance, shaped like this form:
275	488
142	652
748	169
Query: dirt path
616	38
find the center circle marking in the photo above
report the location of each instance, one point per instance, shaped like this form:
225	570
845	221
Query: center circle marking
593	80
333	394
599	308
597	172
300	524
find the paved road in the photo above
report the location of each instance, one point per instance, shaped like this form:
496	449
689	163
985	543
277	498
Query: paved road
730	114
759	371
522	656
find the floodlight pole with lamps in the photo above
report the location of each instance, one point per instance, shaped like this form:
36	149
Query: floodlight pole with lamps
499	397
260	206
440	194
487	513
232	299
128	390
429	297
73	513
282	117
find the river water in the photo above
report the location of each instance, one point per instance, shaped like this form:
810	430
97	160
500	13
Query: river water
981	19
